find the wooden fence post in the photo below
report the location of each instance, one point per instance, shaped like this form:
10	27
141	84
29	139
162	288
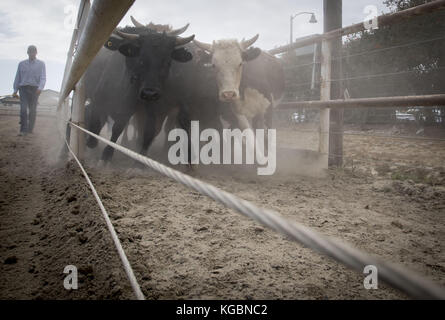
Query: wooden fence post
325	95
77	138
333	10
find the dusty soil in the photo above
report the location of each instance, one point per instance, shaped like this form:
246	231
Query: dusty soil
183	245
48	220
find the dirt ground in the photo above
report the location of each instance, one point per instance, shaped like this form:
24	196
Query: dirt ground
389	201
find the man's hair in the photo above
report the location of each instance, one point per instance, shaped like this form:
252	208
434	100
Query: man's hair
32	48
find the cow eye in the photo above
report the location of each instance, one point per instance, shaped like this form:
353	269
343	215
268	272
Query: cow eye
129	50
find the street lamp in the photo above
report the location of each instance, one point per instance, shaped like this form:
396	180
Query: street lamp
292	17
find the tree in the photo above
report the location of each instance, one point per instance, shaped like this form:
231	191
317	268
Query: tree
406	58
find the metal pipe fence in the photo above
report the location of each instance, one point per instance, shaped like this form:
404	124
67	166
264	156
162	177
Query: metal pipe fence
326	81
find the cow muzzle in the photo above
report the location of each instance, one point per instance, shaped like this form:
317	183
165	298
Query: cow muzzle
228	96
150	94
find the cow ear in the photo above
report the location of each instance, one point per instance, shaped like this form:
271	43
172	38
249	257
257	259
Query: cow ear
251	54
113	43
129	50
181	55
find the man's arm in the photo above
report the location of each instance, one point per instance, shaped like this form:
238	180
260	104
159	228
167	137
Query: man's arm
42	79
17	81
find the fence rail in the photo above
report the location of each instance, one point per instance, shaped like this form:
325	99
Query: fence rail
382	102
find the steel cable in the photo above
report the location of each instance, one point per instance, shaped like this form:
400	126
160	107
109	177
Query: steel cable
395	276
126	264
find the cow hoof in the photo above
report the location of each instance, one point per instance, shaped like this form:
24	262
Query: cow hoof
92	143
190	168
139	165
135	172
102	164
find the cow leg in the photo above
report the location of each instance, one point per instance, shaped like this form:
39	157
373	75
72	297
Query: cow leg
152	127
184	120
261	123
269	117
64	150
118	127
243	122
172	121
94	124
229	115
125	141
139	126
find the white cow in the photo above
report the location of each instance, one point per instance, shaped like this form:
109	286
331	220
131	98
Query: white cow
250	79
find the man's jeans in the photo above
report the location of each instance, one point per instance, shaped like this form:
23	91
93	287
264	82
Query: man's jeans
28	100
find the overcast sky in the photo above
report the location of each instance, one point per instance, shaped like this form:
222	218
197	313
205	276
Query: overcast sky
45	23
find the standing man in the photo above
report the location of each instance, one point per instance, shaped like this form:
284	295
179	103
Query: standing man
29	82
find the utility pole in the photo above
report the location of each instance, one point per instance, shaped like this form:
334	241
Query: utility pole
333	20
291	29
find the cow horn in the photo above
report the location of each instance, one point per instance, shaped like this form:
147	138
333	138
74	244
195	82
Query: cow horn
128	36
247	43
136	23
179	31
182	41
203	45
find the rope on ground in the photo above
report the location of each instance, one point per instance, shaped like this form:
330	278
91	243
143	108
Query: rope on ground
395	276
128	270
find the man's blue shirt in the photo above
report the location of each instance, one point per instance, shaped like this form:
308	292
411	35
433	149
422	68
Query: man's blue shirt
30	73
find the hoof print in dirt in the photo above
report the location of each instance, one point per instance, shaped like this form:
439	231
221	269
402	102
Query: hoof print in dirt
11	260
87	272
32	269
71	199
82	239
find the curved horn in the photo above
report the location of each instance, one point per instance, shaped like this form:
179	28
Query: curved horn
247	43
136	23
128	36
182	41
179	31
203	45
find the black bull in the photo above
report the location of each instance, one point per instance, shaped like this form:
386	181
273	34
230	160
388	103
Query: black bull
127	75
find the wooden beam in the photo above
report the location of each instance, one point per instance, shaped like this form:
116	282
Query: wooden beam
333	11
325	95
384	20
77	138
